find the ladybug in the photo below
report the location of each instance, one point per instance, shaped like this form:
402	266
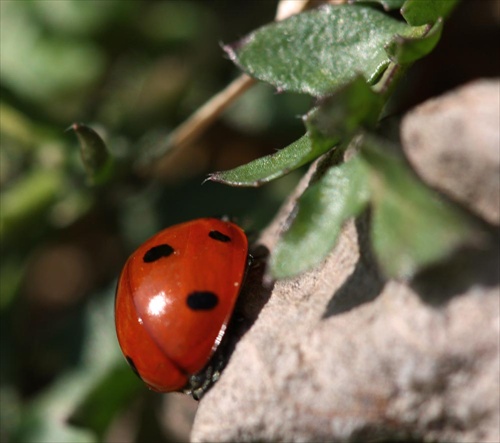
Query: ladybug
174	299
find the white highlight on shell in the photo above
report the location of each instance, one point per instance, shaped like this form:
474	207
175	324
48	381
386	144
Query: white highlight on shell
157	304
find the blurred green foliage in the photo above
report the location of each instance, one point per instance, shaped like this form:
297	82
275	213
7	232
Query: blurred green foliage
132	71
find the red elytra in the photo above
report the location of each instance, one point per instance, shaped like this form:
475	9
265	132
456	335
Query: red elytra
175	296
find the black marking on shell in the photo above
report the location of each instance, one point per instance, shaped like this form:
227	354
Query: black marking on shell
202	300
219	236
157	252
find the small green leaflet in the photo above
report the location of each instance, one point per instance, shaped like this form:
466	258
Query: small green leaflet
343	113
404	50
95	156
269	167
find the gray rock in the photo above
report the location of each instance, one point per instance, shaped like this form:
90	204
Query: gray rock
453	142
342	354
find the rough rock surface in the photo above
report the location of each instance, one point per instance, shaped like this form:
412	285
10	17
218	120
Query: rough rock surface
342	354
453	142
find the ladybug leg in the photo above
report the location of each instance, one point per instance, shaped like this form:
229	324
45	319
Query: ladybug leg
200	383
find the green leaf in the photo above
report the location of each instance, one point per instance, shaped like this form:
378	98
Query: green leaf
319	50
95	156
343	113
411	226
271	167
341	193
338	117
422	12
405	50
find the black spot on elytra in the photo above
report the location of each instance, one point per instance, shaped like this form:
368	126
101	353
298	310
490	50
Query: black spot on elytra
132	365
157	252
202	300
219	236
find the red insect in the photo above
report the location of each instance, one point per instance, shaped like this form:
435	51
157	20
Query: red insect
174	298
